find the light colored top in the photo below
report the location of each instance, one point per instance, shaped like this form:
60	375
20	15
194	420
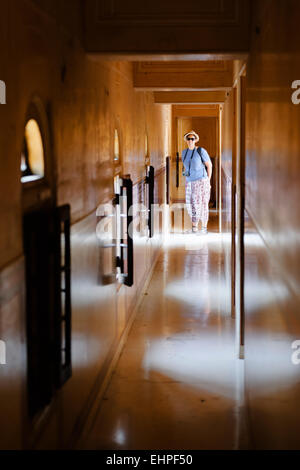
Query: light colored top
197	168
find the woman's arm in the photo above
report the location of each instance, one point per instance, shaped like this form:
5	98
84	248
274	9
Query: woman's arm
207	162
209	169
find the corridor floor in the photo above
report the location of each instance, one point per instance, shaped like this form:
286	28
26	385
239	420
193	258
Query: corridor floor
177	384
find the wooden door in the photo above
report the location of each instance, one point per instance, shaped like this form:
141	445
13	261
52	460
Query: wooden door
183	125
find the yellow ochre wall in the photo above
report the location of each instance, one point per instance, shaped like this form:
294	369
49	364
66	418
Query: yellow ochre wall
272	223
227	178
85	100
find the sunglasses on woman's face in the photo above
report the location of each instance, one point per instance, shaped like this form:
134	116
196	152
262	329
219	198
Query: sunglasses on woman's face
190	138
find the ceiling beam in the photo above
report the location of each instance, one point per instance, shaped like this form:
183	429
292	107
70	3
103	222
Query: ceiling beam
189	97
183	76
187	110
163	57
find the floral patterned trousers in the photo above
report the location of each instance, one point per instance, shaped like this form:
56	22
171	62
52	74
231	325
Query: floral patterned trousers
197	196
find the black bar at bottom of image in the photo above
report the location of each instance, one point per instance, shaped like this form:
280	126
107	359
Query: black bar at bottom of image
148	458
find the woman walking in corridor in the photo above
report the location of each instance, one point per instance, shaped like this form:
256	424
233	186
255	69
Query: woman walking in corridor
198	171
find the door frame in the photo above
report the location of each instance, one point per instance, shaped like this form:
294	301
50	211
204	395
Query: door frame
219	192
234	202
238	215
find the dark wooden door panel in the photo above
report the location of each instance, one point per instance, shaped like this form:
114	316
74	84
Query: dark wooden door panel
40	294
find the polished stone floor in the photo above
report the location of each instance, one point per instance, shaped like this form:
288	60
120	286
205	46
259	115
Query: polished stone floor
178	384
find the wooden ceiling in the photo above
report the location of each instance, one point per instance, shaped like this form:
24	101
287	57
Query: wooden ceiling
171	28
184	52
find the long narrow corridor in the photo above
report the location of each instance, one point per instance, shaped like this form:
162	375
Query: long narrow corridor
115	332
178	384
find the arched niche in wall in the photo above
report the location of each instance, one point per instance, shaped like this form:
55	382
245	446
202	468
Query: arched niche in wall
147	153
117	150
33	155
36	173
116	146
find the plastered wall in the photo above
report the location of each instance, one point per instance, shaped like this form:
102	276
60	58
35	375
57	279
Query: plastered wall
85	100
227	178
272	239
